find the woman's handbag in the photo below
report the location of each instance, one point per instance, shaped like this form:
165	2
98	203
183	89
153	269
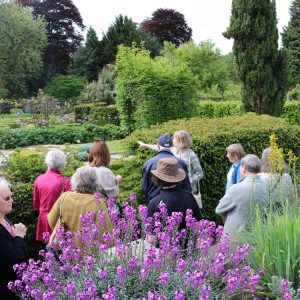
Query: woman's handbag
53	241
198	196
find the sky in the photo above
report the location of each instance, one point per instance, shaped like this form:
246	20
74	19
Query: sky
207	18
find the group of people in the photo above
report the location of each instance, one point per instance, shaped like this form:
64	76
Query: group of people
171	177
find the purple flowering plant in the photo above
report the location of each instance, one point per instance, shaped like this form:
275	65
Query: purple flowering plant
197	262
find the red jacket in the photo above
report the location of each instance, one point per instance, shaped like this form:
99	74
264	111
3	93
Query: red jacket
47	188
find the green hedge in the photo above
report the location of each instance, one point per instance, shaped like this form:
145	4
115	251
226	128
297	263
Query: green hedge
59	134
104	115
291	112
211	137
212	109
83	110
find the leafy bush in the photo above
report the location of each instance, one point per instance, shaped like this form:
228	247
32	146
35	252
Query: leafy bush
104	115
5	107
206	269
152	91
83	110
212	109
210	139
291	112
65	87
59	134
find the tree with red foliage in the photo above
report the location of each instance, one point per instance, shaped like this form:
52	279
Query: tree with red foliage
64	24
168	25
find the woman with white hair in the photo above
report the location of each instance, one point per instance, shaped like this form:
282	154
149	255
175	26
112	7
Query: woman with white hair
71	205
48	187
11	242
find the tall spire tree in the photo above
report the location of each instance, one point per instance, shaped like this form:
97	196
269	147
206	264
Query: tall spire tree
291	41
261	66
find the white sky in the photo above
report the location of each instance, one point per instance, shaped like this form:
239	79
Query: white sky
207	18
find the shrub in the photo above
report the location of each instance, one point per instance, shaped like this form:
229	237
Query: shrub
59	134
212	109
205	269
291	112
66	87
152	91
104	115
210	139
83	110
5	107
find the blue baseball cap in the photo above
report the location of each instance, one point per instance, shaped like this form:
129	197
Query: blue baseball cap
165	140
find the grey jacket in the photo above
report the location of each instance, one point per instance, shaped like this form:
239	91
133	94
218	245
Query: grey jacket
239	200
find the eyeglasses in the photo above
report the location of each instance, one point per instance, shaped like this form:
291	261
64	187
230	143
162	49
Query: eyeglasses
7	198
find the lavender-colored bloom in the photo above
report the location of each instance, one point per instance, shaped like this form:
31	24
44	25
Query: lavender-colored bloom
132	197
179	295
102	273
71	288
164	278
121	274
284	290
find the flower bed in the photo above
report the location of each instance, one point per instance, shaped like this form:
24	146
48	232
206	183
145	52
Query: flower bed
193	263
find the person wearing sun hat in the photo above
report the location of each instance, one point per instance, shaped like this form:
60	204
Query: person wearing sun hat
168	176
164	144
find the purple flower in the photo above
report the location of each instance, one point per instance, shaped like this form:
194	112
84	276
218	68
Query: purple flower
132	197
102	273
121	274
179	295
164	278
284	290
71	289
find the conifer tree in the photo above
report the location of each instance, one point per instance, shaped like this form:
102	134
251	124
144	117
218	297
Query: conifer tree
291	41
261	66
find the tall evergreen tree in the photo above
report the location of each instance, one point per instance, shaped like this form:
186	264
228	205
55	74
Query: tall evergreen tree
122	31
261	66
291	41
86	60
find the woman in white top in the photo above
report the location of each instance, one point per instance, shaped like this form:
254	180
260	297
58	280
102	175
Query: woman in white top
182	144
278	181
99	158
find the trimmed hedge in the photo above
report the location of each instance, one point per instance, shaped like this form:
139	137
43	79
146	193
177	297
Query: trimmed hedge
210	138
59	134
83	110
291	112
104	115
212	109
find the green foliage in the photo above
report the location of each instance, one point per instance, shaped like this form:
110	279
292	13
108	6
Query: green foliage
210	139
83	110
206	63
262	68
104	115
104	88
291	112
122	31
152	91
22	43
60	134
291	39
5	106
211	109
275	247
86	60
66	87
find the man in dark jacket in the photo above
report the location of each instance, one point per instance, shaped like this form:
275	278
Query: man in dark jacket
164	143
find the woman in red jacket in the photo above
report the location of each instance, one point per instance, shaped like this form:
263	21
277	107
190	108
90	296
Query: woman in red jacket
48	187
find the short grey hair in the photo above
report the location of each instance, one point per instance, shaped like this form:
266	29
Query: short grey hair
3	181
85	180
251	162
56	160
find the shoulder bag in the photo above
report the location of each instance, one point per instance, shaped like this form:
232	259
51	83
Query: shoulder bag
198	195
